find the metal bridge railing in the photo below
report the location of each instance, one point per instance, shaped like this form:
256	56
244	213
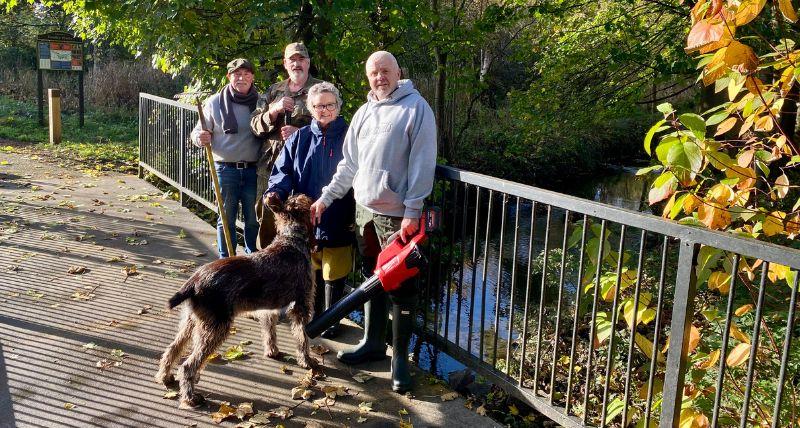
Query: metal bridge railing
593	315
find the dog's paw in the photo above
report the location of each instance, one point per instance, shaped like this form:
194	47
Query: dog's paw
273	353
166	379
194	402
307	362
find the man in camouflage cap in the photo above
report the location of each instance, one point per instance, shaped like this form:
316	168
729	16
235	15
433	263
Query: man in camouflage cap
280	112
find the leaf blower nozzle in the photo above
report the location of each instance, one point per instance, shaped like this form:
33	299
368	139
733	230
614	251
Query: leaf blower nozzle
396	263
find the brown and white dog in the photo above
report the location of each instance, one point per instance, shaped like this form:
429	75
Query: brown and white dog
217	292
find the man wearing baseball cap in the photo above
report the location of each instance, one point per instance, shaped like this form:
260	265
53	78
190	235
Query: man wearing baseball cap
235	150
280	112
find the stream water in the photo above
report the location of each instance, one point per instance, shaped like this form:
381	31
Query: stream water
620	187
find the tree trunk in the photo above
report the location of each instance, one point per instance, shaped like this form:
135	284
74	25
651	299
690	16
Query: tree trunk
443	125
788	118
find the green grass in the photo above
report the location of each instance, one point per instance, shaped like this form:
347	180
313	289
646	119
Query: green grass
107	140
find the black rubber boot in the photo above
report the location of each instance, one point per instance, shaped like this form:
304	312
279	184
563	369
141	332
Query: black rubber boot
372	346
333	292
319	296
402	326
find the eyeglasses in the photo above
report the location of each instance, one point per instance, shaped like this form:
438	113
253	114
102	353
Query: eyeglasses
329	107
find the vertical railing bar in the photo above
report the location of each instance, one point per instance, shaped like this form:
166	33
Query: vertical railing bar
636	295
474	267
657	333
459	285
182	151
576	316
527	295
449	264
680	326
614	305
513	289
598	270
483	273
499	280
541	302
787	345
751	363
725	338
437	283
558	304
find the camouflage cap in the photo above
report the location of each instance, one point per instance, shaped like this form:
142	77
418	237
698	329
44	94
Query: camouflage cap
240	63
295	48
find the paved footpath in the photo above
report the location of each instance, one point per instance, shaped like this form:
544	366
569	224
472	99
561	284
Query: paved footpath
87	263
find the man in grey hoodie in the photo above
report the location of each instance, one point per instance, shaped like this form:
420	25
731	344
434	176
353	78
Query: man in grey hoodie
389	162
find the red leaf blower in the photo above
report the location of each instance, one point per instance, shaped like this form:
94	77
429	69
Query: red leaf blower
396	263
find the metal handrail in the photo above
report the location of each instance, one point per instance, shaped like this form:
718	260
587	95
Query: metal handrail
164	127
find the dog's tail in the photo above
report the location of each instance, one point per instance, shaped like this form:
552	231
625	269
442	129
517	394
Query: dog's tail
186	292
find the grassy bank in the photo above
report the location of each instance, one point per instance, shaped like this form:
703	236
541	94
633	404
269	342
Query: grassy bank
107	141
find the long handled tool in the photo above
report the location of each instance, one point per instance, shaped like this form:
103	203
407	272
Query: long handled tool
396	263
215	180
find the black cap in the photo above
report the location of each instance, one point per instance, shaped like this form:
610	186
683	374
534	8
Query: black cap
240	63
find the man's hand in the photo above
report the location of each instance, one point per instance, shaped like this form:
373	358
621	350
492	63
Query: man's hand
287	131
317	208
281	105
204	138
408	227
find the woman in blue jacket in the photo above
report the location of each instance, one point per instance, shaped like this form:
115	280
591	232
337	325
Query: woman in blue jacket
306	164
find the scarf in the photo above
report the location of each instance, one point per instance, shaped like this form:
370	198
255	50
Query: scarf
229	97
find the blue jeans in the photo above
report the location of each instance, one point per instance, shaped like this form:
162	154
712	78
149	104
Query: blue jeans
237	185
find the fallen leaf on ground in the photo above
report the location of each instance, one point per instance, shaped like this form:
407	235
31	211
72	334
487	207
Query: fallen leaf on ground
171	394
158	262
362	377
90	345
69	406
481	410
365	407
115	259
282	412
246	342
82	295
299	393
361	419
133	241
235	352
117	353
334	391
35	294
449	396
260	418
76	270
324	402
144	310
286	370
244	410
320	350
130	271
225	411
104	364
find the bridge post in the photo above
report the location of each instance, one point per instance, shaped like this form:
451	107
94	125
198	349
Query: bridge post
678	355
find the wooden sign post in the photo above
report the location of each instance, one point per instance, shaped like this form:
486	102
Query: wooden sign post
59	51
54	102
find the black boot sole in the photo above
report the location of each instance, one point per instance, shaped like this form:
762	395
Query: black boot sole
366	359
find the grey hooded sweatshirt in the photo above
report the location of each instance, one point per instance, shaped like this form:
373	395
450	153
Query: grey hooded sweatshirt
389	155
